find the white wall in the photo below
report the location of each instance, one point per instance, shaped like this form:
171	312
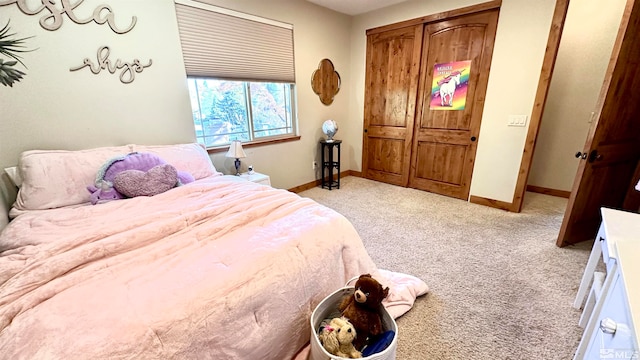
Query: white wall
523	30
53	108
585	48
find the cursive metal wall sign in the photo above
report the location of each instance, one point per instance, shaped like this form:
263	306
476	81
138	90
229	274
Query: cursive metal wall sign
57	8
52	20
128	70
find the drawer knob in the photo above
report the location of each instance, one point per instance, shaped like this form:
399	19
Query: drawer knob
608	326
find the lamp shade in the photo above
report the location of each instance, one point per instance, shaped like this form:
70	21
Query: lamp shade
235	150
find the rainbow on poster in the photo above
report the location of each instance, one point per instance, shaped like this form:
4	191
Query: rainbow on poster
449	87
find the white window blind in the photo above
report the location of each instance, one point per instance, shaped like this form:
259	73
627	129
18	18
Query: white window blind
223	43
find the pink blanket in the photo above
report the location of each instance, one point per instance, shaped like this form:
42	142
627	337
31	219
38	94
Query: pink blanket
217	269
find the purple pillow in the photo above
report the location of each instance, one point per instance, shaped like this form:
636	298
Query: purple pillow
132	183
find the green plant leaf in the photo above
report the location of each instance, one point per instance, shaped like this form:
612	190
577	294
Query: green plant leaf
11	47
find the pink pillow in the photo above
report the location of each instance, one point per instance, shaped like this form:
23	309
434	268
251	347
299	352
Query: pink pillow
190	158
56	178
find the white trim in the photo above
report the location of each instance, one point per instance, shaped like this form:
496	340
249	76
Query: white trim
230	12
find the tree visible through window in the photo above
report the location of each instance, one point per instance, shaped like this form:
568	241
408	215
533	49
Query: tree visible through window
225	110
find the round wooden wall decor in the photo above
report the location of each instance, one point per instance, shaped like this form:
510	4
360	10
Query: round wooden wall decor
325	81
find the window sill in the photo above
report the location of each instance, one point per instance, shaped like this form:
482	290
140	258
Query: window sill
223	148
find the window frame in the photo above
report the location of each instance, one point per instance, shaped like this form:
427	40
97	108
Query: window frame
290	100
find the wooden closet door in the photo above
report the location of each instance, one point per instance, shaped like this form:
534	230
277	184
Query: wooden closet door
393	62
446	132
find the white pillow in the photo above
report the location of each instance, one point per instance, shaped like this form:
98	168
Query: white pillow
56	178
14	175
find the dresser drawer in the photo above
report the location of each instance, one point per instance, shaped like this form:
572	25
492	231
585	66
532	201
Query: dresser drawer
601	238
608	248
617	341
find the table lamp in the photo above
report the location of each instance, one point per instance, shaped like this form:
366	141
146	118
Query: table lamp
235	151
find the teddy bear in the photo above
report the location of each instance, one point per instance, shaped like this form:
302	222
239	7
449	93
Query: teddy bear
337	338
362	308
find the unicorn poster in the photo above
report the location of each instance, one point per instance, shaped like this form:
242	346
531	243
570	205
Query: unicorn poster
450	83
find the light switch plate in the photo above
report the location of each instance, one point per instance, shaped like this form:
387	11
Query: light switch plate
517	120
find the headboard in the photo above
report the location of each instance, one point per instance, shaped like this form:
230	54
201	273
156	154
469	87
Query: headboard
8	193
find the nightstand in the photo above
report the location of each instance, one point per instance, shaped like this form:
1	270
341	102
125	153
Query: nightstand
257	178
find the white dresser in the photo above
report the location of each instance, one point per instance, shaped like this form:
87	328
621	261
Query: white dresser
610	332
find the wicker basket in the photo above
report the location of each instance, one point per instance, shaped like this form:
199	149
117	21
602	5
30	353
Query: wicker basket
330	305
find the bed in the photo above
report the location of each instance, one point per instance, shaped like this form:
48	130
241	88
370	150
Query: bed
220	268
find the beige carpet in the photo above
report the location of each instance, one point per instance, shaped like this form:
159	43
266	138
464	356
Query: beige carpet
499	286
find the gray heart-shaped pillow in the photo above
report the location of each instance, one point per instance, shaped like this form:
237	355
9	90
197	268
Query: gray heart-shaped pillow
132	183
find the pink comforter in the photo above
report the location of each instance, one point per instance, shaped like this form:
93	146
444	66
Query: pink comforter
217	269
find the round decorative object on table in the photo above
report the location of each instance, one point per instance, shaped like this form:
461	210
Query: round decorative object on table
330	128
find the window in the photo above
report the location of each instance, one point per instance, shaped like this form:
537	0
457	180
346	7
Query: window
225	110
240	71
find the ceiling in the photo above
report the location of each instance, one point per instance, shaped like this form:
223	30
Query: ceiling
355	7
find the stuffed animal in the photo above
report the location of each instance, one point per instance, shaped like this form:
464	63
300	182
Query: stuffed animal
337	338
105	192
158	179
104	188
363	308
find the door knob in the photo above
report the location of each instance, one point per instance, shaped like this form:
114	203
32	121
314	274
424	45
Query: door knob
581	155
365	130
608	326
473	138
595	156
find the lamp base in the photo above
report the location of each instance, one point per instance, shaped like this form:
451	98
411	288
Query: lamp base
237	163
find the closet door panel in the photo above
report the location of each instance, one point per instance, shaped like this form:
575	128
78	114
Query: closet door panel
454	73
393	62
